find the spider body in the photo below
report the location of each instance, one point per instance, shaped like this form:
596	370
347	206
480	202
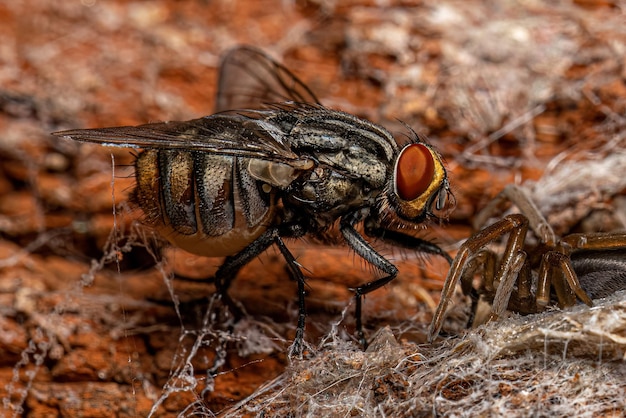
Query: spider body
577	266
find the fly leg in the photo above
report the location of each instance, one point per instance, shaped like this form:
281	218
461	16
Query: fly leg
231	266
296	273
407	241
365	251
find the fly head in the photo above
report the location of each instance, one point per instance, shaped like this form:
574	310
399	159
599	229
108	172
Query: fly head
419	181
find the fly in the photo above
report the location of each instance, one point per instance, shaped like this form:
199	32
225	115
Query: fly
274	163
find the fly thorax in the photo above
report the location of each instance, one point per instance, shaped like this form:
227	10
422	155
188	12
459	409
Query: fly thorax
327	194
360	163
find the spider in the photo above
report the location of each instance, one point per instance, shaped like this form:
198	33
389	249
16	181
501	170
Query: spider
583	266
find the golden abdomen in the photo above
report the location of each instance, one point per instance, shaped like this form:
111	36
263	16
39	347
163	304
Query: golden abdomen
204	203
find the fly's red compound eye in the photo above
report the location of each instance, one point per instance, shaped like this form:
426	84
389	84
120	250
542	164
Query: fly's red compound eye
415	171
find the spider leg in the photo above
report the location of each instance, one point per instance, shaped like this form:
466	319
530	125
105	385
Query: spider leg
548	277
560	260
512	262
484	260
509	273
516	225
524	285
518	196
597	241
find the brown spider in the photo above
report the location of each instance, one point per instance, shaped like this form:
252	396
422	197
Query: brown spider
577	265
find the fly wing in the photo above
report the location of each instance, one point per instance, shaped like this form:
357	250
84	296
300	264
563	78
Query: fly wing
250	79
238	134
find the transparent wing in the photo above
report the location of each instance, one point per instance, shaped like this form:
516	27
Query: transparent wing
250	79
244	134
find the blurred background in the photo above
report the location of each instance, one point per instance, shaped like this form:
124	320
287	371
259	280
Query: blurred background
525	92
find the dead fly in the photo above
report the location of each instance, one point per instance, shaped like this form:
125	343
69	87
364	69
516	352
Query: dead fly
583	266
273	163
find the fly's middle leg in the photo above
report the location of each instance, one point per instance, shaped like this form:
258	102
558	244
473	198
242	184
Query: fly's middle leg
231	266
295	271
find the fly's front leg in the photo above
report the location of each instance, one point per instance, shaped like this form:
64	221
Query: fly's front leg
365	251
407	241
